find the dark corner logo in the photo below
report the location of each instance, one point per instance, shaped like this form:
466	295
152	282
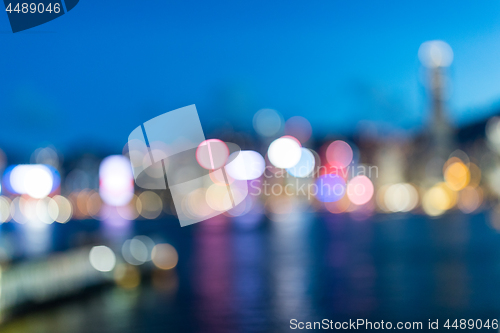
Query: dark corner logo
25	15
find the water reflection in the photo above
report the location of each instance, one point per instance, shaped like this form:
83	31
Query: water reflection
292	268
36	237
308	267
212	275
115	228
250	283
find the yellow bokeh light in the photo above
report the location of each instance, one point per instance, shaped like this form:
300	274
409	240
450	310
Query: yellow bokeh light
127	276
457	176
438	199
149	205
197	204
217	198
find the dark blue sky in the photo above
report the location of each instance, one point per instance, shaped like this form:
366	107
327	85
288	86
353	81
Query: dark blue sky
99	71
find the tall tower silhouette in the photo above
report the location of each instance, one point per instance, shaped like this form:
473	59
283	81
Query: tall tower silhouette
437	56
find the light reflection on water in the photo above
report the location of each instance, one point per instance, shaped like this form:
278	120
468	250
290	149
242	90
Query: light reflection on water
212	276
36	237
292	268
308	268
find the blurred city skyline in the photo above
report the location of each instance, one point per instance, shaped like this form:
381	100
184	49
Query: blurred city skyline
89	77
342	157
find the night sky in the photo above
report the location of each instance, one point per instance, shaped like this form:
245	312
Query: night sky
96	73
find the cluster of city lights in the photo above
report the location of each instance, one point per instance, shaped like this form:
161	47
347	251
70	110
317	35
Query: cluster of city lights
134	253
285	173
289	177
32	193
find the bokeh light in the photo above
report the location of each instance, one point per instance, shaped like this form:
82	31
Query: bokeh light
94	204
116	182
329	188
284	153
298	127
400	197
438	199
149	205
60	209
339	153
305	166
5	209
34	180
212	154
129	211
164	256
360	190
196	203
46	208
217	197
246	165
457	175
135	252
127	276
102	258
435	53
470	199
267	122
